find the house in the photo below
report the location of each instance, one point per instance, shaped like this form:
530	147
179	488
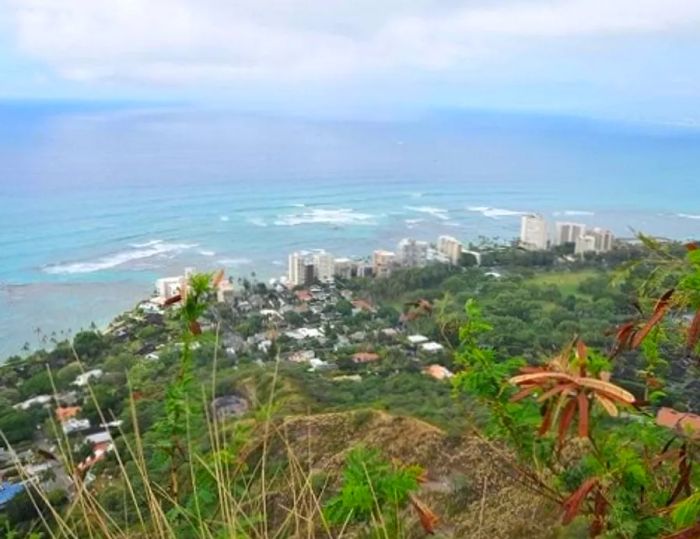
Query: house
438	372
365	357
41	400
431	347
683	423
82	379
228	406
75	425
99	452
302	356
316	364
362	305
153	356
98	438
64	413
417	339
305	333
8	491
304	295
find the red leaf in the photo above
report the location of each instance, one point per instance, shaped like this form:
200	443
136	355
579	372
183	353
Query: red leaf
583	416
520	395
581	350
195	328
567	417
559	388
600	509
546	420
694	331
172	300
623	337
692	246
428	519
572	504
659	312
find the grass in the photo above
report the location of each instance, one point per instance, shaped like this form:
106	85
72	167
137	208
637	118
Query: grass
567	281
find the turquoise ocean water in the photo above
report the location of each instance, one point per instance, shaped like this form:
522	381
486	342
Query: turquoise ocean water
98	202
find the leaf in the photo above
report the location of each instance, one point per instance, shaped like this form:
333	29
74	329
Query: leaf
172	300
607	404
581	351
520	395
572	504
611	390
521	378
694	331
559	388
662	305
583	408
428	519
546	420
623	336
567	417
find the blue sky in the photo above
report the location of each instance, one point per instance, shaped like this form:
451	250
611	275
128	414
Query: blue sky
623	59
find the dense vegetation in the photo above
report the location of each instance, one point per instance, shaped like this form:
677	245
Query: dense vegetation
175	472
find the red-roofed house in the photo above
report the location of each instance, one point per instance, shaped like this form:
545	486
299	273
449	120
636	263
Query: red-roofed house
304	295
683	423
63	413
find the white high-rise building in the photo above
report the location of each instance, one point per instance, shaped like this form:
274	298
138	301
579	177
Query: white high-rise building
533	232
597	240
295	273
168	287
382	262
323	266
568	232
412	253
451	248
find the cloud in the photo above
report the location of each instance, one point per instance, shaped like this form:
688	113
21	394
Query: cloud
214	41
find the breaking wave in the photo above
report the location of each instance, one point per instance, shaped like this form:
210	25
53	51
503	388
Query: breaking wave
495	213
327	217
141	252
440	213
688	216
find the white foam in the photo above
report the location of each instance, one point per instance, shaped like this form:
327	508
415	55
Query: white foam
234	261
337	217
146	244
257	221
440	213
207	253
224	218
155	248
495	213
688	216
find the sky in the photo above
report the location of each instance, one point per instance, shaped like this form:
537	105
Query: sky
621	59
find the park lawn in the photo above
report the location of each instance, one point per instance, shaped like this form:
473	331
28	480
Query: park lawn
566	281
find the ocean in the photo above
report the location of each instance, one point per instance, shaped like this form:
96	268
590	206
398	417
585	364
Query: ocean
98	201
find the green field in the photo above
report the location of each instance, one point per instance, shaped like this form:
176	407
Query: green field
567	281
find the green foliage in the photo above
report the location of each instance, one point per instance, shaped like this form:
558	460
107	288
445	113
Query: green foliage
372	491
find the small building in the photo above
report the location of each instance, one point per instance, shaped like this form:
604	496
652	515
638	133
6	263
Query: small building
365	357
438	372
38	400
431	347
75	425
64	413
417	339
82	379
8	491
302	356
228	406
686	424
98	438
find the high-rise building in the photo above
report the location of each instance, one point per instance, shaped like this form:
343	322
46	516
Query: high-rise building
568	232
597	240
344	268
533	232
295	273
451	248
382	262
412	253
323	266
